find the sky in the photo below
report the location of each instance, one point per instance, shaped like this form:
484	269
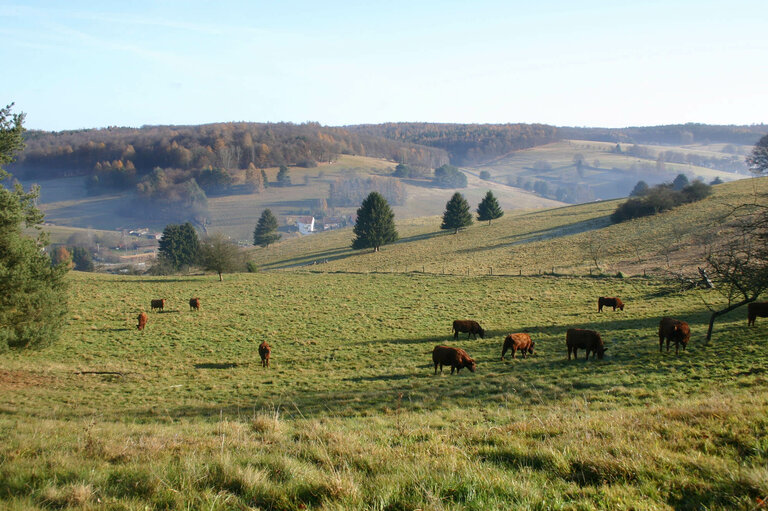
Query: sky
609	63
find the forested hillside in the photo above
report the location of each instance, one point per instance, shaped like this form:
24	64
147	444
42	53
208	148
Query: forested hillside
129	152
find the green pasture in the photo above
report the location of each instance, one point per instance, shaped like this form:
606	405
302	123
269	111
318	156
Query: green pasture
570	240
351	416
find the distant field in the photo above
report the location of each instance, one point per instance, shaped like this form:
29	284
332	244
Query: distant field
350	416
598	173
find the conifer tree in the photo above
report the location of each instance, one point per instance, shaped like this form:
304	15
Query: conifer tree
265	232
489	208
33	296
179	245
375	224
457	214
283	177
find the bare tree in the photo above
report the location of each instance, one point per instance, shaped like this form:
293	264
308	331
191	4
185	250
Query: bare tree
739	260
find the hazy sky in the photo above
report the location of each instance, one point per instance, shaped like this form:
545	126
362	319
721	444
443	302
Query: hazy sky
614	63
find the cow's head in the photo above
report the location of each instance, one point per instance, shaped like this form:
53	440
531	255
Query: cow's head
681	334
470	364
601	351
530	349
621	307
482	333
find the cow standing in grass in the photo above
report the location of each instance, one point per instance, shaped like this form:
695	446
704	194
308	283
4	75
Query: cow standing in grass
576	339
755	310
609	301
457	358
472	328
674	330
142	320
158	304
516	342
264	352
194	304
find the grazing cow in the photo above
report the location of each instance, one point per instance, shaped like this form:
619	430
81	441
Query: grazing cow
576	338
158	304
471	327
609	301
755	310
264	352
516	342
675	331
142	321
194	304
457	358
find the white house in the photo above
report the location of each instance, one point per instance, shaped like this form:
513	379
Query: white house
306	224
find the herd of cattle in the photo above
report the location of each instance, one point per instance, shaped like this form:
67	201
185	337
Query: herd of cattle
670	329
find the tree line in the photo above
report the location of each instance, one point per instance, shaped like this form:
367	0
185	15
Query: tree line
222	145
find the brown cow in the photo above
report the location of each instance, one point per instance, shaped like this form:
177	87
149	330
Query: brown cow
158	304
457	358
467	325
194	304
264	352
609	301
675	331
755	310
576	338
142	321
516	342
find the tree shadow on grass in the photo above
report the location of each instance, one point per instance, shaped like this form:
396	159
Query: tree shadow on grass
218	365
117	329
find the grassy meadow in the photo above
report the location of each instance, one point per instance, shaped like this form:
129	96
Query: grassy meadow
350	415
570	240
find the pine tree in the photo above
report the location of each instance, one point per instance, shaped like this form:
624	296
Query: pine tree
457	214
489	209
179	245
33	297
265	232
283	178
375	224
264	178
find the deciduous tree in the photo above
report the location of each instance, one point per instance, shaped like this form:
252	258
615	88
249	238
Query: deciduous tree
219	254
457	214
375	224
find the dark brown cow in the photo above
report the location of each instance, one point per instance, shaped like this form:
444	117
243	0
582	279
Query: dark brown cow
457	358
467	325
264	352
609	301
158	304
576	339
675	331
142	321
755	310
516	342
194	304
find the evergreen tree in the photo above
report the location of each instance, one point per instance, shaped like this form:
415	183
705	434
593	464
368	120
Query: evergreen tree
265	232
489	208
680	182
179	245
264	178
219	254
640	189
375	224
283	178
758	158
457	214
33	297
82	259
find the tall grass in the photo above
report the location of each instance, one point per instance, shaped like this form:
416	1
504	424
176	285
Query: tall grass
350	416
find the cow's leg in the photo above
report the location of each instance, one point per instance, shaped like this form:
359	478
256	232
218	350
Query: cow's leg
587	357
667	344
452	368
455	335
661	342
